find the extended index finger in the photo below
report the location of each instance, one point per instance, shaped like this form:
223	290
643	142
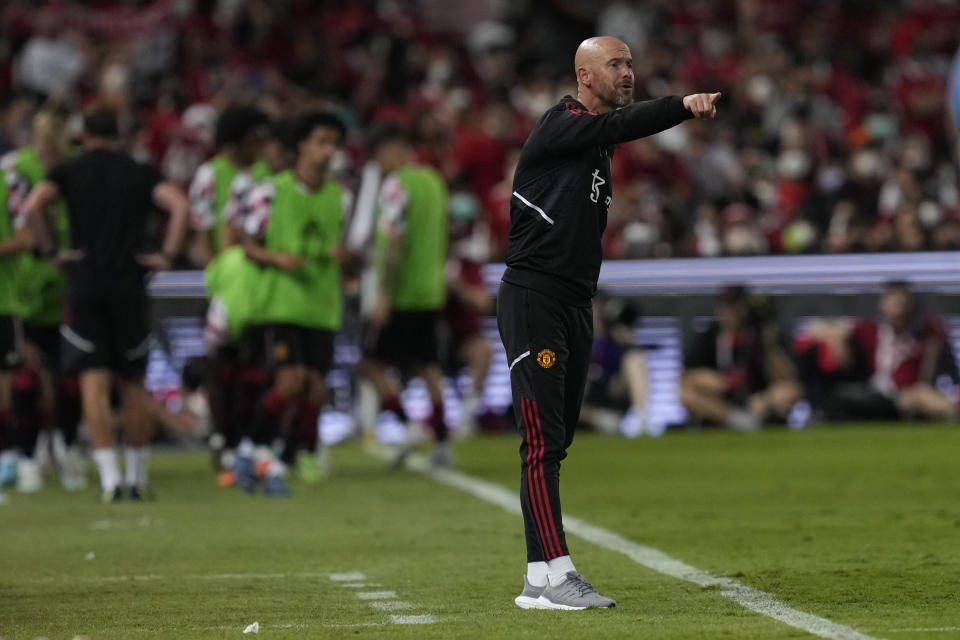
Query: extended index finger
713	97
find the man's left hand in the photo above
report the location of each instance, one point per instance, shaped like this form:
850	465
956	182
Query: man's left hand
702	105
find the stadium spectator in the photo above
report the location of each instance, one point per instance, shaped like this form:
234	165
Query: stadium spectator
44	395
467	302
736	373
616	394
108	197
878	368
411	249
293	228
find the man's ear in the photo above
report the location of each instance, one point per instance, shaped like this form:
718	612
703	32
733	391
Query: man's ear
583	76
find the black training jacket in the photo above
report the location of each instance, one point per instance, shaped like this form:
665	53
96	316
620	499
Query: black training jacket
561	193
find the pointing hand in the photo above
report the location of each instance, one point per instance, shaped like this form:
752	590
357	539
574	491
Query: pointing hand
702	105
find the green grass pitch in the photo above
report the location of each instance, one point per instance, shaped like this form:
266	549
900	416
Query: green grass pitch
857	524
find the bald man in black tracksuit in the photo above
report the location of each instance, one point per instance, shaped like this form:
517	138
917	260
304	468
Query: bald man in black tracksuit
558	212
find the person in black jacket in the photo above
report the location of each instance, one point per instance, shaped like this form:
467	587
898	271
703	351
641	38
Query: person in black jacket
561	194
109	198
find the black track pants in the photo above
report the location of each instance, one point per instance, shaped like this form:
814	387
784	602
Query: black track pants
548	349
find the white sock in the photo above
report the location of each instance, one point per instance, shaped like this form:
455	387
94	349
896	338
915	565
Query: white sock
263	458
537	574
245	448
558	568
136	471
106	460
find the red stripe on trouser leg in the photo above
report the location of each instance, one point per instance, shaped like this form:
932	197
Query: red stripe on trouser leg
537	474
539	488
545	494
25	380
307	420
550	520
531	484
274	402
393	404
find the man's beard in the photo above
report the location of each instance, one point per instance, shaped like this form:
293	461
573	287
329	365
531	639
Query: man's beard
615	99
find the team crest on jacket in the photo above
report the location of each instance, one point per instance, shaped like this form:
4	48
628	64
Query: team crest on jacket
546	358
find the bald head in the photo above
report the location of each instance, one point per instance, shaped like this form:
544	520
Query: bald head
597	49
604	70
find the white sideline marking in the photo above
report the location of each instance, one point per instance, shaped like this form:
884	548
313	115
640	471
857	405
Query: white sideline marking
925	629
359	585
208	576
394	619
352	576
427	619
376	595
755	600
391	605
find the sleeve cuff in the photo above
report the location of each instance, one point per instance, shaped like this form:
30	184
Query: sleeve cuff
682	112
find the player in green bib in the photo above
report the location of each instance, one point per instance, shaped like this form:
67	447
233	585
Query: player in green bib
219	183
13	248
411	249
293	228
44	395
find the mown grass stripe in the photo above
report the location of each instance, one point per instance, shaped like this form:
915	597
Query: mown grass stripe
758	601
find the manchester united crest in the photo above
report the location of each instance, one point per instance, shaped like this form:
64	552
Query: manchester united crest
547	358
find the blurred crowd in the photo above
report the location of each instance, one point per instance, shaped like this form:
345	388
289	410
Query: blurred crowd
744	369
834	132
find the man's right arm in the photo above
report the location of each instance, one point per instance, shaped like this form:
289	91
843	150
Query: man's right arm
256	213
575	128
169	197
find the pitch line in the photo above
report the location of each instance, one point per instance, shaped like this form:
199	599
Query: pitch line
758	601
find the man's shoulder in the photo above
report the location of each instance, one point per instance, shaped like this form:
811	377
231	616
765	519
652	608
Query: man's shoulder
102	157
416	171
567	104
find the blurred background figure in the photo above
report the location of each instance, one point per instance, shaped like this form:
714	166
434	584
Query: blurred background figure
292	231
736	372
108	198
217	193
615	400
468	301
883	368
411	250
44	396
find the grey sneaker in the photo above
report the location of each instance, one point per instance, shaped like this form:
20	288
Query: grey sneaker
573	594
529	597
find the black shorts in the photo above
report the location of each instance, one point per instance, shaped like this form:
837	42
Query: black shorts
290	344
251	346
408	339
109	331
10	334
47	340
